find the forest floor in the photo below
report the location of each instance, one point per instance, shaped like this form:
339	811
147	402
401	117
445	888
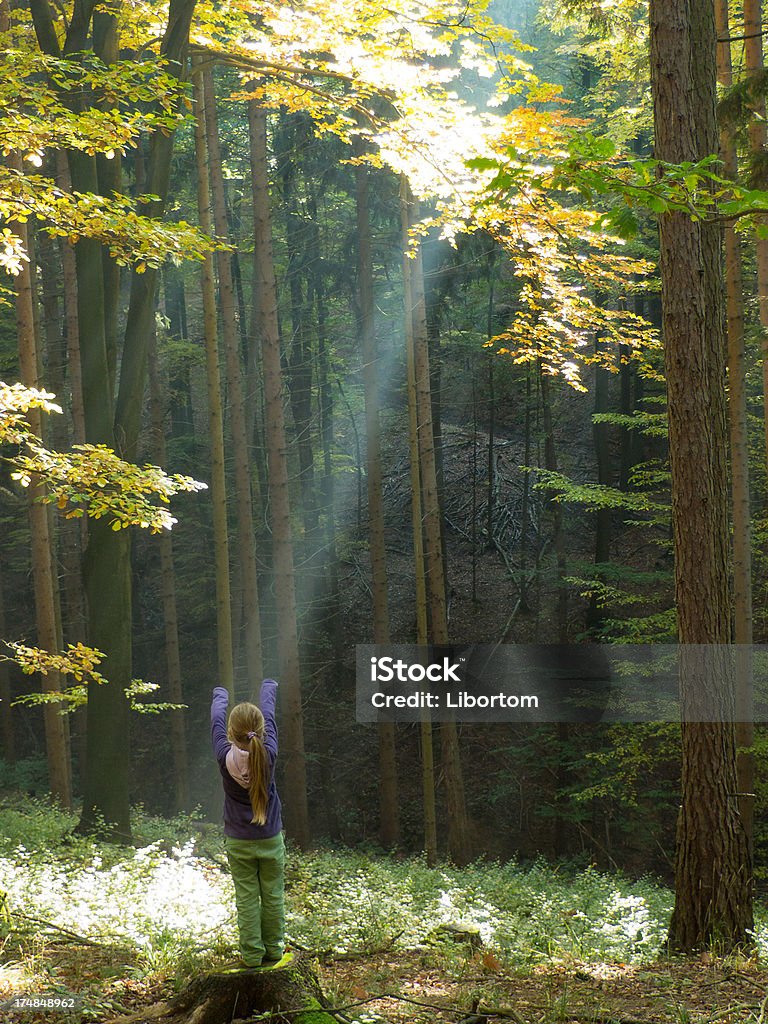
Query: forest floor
414	987
700	990
117	929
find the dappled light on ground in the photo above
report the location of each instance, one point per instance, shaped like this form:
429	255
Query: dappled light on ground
396	940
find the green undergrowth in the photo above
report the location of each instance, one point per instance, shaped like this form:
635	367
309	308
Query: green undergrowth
167	903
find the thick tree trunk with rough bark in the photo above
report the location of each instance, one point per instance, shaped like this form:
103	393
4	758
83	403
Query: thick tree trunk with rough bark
713	897
110	421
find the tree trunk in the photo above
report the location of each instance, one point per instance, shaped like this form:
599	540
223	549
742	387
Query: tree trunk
525	500
74	534
6	694
44	579
288	994
106	792
108	172
225	660
596	611
626	374
168	594
294	131
389	814
422	629
758	135
71	325
739	444
243	494
182	420
713	885
491	360
558	541
459	842
297	815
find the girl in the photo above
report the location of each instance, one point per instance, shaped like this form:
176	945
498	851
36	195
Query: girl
246	750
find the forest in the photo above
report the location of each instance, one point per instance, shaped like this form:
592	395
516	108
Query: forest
338	332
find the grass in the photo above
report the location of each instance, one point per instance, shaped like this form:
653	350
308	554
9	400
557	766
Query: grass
154	914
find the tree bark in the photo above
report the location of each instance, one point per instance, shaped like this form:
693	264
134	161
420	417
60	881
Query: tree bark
295	131
389	812
422	629
739	445
106	563
168	595
459	842
758	136
44	579
6	693
596	611
297	814
292	993
243	493
225	660
713	896
558	541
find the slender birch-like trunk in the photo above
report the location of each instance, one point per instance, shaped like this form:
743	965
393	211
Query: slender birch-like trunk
168	596
43	577
739	444
422	630
297	812
459	844
243	494
226	672
389	811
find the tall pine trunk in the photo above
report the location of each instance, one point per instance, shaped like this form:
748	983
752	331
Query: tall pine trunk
225	659
459	840
294	133
713	894
297	814
739	445
168	597
243	493
422	628
389	812
758	136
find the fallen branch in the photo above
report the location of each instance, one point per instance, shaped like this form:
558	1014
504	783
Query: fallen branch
110	940
331	956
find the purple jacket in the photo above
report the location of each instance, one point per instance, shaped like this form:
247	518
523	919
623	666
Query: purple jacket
237	803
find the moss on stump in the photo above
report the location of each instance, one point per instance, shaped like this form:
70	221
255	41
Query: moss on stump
289	987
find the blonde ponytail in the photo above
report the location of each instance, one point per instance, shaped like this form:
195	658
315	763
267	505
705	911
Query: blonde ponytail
258	766
246	729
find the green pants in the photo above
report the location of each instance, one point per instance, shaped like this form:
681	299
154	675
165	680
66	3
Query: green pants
257	867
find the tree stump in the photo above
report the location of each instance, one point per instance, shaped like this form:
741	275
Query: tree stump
290	990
